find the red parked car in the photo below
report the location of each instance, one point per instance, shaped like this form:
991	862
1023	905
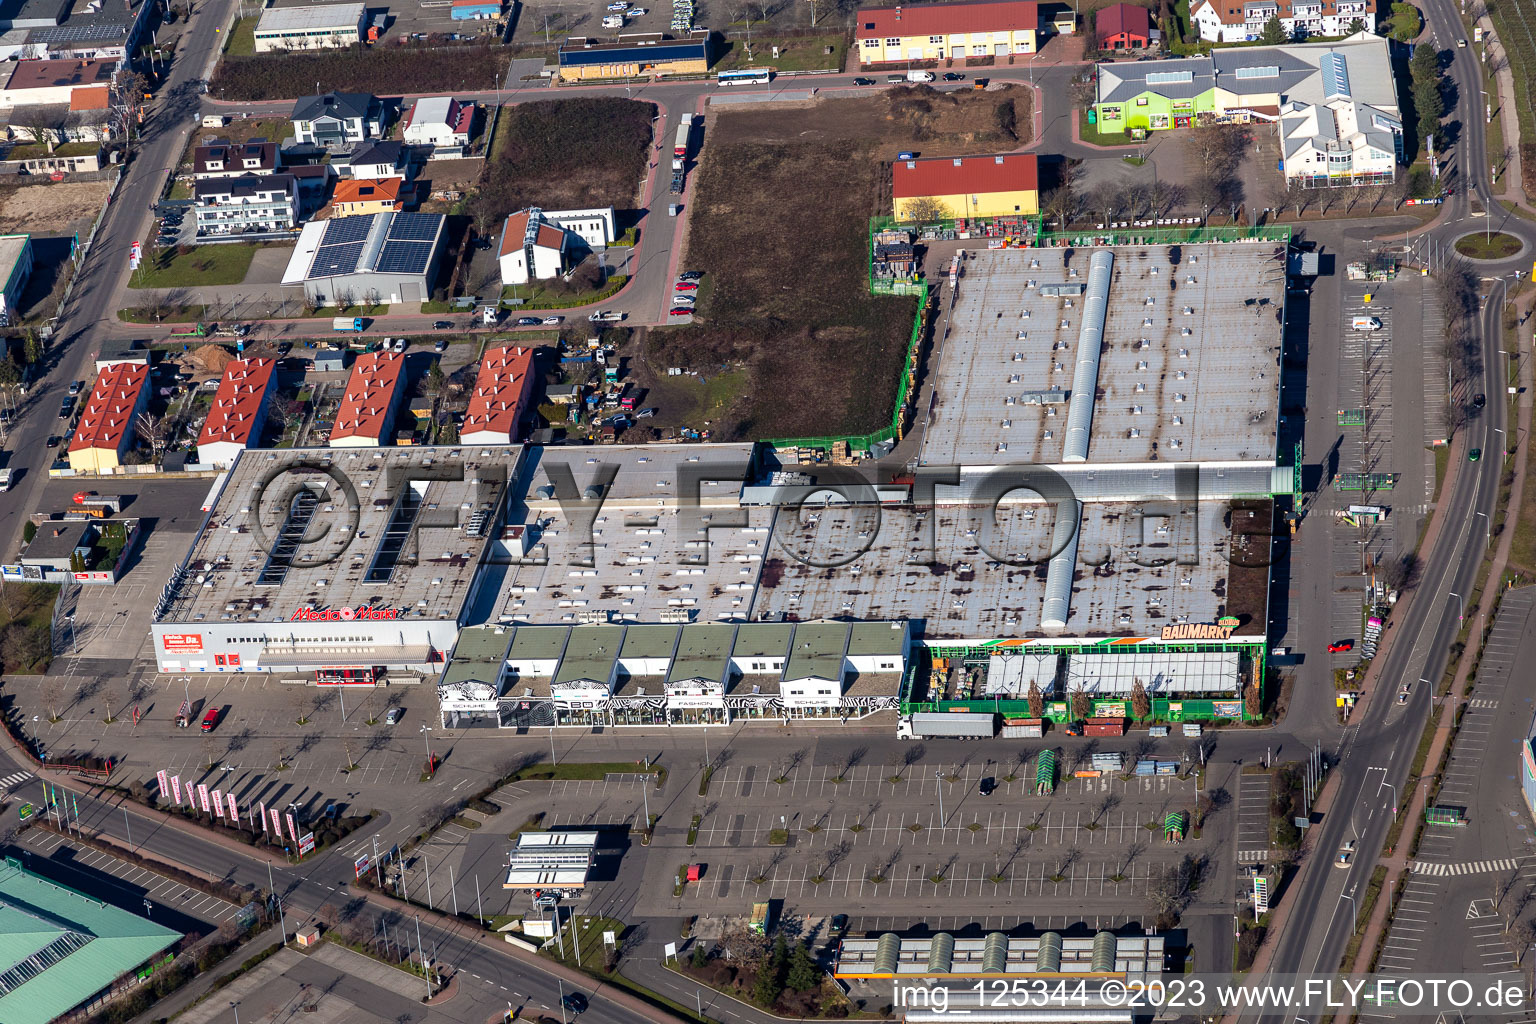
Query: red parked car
685	286
1341	646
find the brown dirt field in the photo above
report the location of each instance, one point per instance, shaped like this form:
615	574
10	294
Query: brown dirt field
58	209
780	218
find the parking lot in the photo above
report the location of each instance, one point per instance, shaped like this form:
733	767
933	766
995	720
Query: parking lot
123	884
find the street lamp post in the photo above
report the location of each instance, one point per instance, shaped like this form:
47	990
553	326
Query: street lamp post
1354	922
236	1007
939	775
427	742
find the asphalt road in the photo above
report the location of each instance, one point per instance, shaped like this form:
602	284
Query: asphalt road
1379	748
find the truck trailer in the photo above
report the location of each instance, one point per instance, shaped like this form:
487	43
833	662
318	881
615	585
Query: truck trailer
1023	728
680	147
960	725
1104	727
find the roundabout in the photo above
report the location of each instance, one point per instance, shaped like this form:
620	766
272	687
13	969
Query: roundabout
1492	246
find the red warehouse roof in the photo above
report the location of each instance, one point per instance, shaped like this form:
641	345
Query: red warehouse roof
967	175
945	19
501	392
370	396
237	404
107	421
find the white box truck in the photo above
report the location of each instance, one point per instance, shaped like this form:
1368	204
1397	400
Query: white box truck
5	479
1366	323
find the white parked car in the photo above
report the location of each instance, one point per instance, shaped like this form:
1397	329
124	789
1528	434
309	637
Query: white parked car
619	5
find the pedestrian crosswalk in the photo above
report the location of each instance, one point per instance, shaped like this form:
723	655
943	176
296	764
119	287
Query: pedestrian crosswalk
1252	856
1482	704
1474	867
14	780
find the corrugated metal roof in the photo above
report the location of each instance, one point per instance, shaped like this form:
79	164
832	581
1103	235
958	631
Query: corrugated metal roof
59	947
625	53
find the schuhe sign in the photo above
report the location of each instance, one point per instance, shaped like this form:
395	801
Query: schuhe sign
360	613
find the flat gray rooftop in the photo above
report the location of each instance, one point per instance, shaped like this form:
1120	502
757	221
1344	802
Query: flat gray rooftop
1173	386
647	476
361	544
968	593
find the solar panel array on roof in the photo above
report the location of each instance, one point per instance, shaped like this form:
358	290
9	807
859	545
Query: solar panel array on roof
415	227
404	257
336	259
346	229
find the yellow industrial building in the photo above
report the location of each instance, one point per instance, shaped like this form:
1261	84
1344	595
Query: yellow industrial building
944	188
637	56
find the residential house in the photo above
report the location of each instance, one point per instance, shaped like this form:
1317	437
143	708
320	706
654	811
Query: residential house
441	122
358	196
1123	27
366	415
500	401
1238	21
238	413
321	27
337	118
946	31
386	159
251	203
1335	103
222	159
940	188
108	424
532	248
596	227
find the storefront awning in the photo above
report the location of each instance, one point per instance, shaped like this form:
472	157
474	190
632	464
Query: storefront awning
342	656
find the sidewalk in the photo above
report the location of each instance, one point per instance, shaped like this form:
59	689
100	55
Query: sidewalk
1397	860
1514	183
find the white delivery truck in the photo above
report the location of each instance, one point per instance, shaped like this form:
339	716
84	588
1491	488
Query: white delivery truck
1366	323
919	76
5	479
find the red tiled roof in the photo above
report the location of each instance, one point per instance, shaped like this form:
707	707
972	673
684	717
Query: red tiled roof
549	236
43	74
943	19
370	396
501	394
970	175
367	190
238	402
92	97
1127	19
108	417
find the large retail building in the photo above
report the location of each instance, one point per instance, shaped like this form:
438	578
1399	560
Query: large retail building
337	565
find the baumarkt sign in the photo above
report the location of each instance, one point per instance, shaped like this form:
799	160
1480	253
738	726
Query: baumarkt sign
1197	631
360	613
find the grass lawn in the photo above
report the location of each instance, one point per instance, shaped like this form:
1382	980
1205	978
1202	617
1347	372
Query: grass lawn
796	53
1404	23
26	613
587	770
180	190
203	265
539	294
1090	133
1442	463
38	150
1495	246
241	41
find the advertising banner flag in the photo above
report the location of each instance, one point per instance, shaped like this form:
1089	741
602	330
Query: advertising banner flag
176	789
161	780
218	803
202	795
277	824
261	805
234	811
293	832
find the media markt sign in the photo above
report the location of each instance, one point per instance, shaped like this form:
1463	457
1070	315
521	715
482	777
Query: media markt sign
361	613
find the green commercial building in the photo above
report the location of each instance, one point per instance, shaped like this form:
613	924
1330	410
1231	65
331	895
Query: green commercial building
60	949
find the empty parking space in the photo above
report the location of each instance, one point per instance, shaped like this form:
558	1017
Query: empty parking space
133	883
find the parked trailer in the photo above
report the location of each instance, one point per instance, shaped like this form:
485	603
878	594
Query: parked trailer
1104	727
106	502
960	725
680	147
1023	728
1109	761
762	918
